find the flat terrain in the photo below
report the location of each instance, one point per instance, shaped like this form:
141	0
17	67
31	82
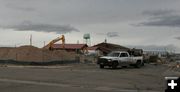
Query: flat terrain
83	78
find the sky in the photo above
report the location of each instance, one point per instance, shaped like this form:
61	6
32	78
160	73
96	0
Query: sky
147	24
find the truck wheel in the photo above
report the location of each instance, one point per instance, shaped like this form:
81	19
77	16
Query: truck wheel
114	65
101	66
138	64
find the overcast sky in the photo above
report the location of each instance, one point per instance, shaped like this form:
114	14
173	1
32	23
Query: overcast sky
135	23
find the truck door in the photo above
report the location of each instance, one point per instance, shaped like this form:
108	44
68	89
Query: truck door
124	58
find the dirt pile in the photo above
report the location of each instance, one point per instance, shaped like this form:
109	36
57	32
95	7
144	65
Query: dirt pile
31	53
174	66
4	53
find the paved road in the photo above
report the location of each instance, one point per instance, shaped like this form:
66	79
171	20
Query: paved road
83	78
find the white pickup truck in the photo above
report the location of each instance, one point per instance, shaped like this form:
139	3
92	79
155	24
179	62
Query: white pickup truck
120	58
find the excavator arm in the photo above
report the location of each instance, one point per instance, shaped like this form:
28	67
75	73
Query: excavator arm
56	40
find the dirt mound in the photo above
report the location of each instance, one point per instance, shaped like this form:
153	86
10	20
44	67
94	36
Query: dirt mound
31	53
174	66
4	53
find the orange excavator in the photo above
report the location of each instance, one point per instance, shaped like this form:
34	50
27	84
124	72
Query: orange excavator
56	40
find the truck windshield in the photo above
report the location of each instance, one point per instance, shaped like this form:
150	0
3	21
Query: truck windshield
113	54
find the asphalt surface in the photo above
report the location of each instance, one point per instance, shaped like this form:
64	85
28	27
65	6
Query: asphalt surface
83	78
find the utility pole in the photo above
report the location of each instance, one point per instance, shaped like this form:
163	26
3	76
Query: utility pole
31	40
105	41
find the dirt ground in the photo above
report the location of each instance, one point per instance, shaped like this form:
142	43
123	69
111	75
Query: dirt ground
84	78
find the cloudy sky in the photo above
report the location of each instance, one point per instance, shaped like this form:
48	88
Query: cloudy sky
135	23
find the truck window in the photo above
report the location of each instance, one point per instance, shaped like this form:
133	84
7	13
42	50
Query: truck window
124	55
113	54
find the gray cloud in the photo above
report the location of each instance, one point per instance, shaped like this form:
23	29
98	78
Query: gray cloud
177	38
160	18
22	8
158	12
112	34
167	21
29	26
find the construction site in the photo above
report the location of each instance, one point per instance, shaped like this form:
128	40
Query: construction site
59	66
31	54
57	51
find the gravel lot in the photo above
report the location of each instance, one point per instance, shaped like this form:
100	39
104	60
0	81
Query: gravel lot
83	78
